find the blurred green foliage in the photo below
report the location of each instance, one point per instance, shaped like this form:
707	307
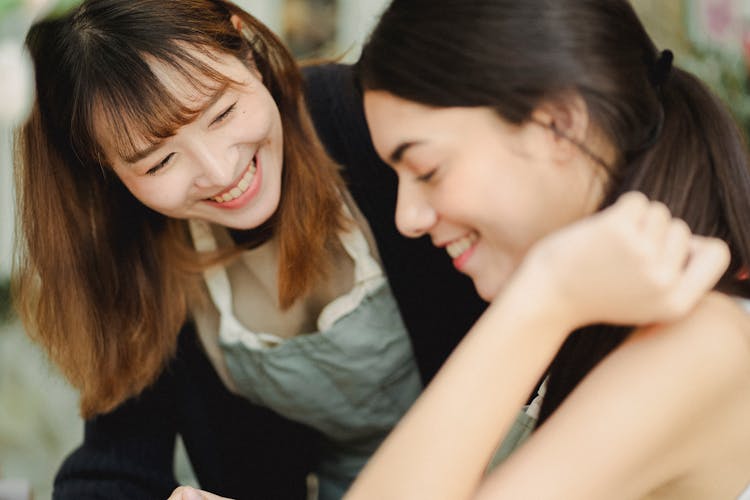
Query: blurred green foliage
59	7
7	6
727	75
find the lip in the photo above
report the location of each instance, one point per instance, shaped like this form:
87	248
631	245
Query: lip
460	261
248	195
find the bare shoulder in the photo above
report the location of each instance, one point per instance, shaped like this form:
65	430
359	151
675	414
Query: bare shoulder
716	331
704	361
660	390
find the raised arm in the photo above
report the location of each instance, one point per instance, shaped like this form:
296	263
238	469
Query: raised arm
625	265
662	405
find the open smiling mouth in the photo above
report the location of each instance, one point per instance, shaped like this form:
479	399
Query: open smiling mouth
458	247
462	249
235	191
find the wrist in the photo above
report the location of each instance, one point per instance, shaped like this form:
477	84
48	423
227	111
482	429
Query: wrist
533	298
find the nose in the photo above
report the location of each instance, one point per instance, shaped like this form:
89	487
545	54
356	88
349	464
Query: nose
414	215
213	168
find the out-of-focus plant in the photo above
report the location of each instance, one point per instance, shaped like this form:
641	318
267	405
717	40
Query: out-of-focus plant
727	75
36	7
719	51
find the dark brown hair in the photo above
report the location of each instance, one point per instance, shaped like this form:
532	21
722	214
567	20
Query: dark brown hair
675	141
102	282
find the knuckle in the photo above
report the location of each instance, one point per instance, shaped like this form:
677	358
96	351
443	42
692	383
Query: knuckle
680	226
659	210
178	493
633	201
635	197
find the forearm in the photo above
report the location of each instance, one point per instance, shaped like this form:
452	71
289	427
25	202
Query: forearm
443	444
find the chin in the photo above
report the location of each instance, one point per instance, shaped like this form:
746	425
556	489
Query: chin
256	216
485	292
489	285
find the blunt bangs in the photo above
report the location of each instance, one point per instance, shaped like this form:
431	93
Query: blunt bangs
132	104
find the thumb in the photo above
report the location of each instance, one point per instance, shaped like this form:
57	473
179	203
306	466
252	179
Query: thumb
709	258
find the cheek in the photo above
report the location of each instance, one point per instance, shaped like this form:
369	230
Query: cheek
261	119
159	193
255	127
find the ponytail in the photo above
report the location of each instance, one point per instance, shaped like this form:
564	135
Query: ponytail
697	166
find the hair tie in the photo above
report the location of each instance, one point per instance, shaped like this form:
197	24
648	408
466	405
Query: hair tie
658	75
661	68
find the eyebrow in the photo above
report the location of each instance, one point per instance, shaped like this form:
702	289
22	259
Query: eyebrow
143	153
398	153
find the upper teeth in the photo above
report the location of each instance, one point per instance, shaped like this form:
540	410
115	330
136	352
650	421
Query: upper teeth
241	186
459	246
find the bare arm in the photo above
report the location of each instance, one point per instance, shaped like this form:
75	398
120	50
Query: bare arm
650	412
441	447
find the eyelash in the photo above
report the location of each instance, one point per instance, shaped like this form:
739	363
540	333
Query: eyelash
426	177
153	170
223	116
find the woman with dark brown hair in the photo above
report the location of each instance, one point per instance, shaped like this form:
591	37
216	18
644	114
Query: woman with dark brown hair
514	127
185	240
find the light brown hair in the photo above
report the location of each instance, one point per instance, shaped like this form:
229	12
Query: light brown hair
103	283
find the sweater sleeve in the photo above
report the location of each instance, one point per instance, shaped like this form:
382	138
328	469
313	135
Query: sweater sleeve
236	449
127	453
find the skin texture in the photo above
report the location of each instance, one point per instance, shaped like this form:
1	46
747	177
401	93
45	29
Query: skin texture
526	197
562	255
513	173
189	493
629	264
210	155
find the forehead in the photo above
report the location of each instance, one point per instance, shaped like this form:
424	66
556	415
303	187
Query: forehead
195	88
177	93
394	121
382	106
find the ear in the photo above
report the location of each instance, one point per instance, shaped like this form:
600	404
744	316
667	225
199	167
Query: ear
567	120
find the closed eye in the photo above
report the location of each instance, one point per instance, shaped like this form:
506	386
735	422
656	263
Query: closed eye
223	116
153	170
426	176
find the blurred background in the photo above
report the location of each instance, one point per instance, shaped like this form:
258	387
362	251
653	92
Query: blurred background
38	412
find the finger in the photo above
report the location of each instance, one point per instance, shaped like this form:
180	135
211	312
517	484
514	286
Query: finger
625	215
655	222
675	251
190	493
210	496
185	493
631	204
709	258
